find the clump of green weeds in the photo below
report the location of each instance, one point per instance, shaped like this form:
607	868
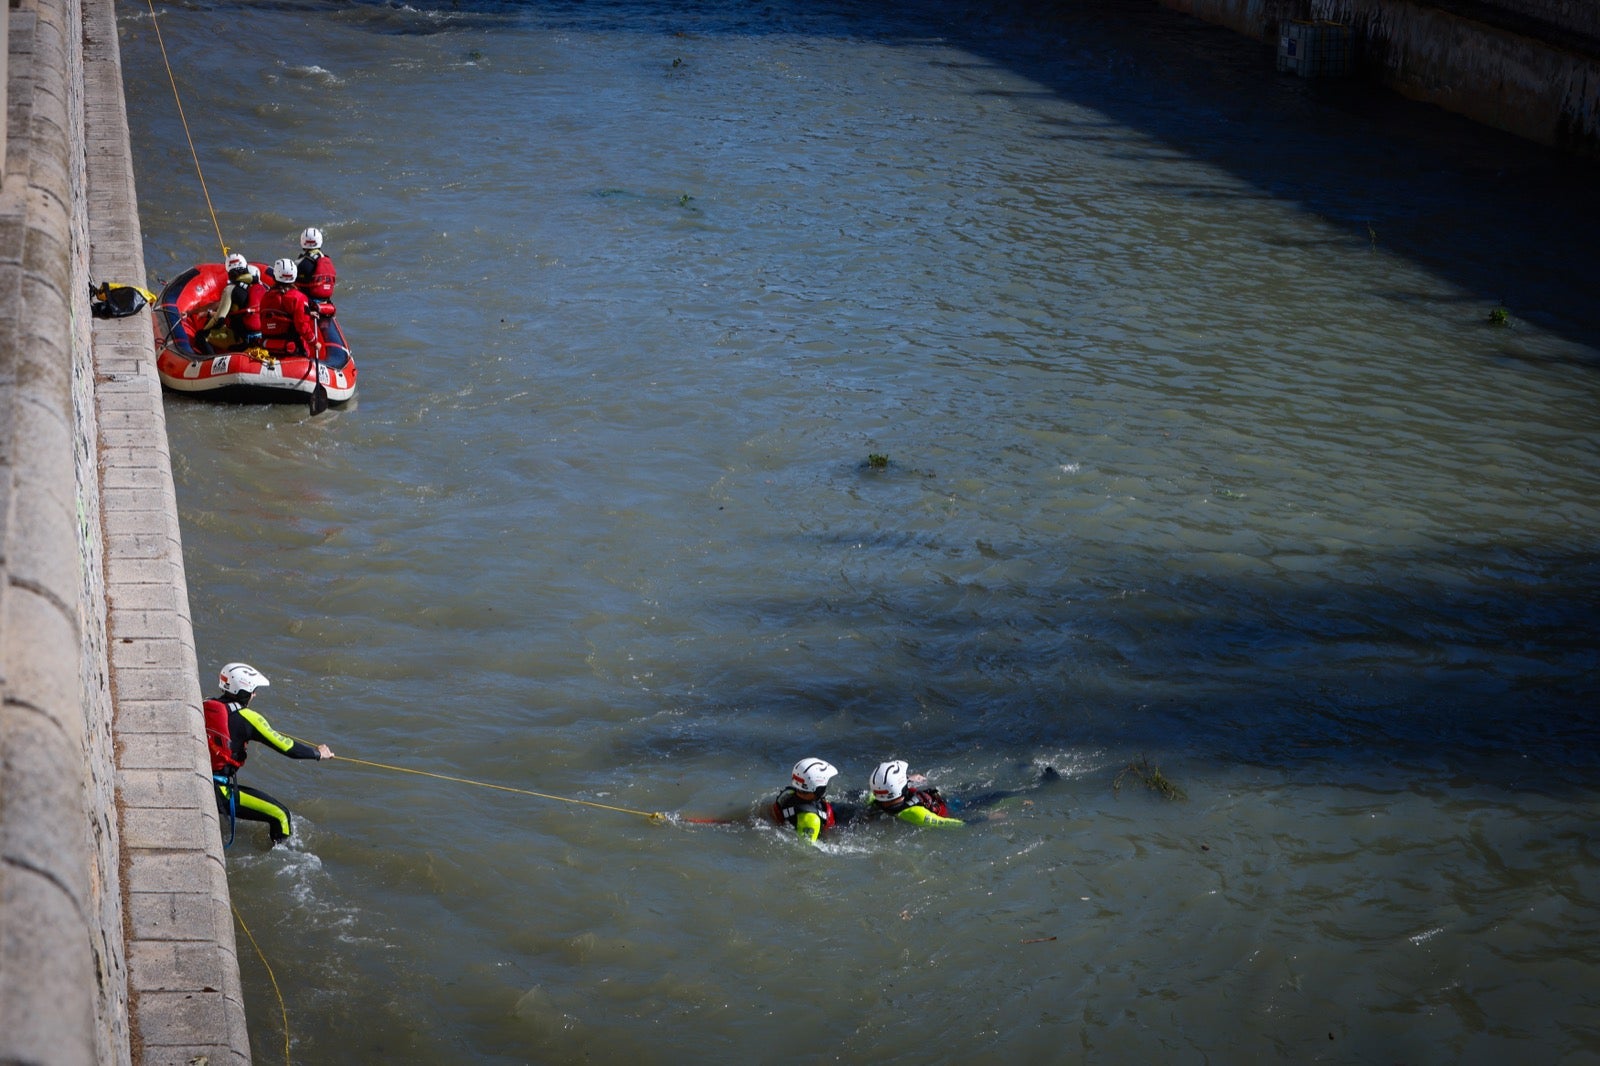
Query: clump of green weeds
1500	317
876	461
1151	777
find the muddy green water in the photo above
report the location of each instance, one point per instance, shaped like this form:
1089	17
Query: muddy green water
1201	451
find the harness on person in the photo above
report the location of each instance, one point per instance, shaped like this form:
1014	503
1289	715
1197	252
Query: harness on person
788	807
224	766
931	799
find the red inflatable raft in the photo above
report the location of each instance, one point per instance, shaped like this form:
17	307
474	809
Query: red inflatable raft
283	373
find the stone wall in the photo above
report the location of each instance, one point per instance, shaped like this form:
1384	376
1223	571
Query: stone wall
116	934
1529	67
63	986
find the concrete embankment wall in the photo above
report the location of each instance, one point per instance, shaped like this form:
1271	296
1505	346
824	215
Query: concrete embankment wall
1529	67
116	936
63	987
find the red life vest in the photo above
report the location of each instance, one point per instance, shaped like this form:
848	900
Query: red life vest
219	738
285	312
788	807
316	277
930	798
246	308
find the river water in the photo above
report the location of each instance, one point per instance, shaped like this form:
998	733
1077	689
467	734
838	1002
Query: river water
1199	456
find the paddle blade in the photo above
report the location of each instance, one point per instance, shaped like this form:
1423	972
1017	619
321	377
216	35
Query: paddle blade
319	400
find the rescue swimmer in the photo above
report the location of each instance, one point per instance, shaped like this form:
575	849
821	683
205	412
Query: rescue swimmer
895	793
802	804
230	726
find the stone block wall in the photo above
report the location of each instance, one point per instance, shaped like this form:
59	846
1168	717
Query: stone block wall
116	932
63	979
1528	67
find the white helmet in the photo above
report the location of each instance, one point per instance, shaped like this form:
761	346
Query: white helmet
311	238
242	677
889	781
813	775
236	262
284	270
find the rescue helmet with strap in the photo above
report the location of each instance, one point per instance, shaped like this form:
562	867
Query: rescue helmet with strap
889	781
242	677
812	775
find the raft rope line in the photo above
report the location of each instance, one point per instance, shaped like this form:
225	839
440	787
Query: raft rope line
654	816
172	79
284	1011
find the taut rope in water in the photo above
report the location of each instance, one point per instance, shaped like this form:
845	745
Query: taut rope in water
654	816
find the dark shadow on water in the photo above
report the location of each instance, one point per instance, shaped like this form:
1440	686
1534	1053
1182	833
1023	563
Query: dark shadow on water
1494	678
1460	668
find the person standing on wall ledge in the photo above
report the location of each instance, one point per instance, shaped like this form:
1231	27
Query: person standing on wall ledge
230	726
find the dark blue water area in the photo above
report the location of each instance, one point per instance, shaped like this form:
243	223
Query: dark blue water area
1509	221
1461	664
1466	663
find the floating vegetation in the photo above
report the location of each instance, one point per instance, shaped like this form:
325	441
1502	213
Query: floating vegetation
685	200
1151	777
877	462
1500	317
1372	237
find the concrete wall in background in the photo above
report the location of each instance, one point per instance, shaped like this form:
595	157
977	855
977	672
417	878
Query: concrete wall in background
1529	67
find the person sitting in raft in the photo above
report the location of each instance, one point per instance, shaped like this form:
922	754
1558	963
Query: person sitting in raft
801	804
287	300
237	317
897	794
316	272
230	726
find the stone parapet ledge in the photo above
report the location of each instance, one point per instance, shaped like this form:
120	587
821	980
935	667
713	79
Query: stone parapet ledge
182	957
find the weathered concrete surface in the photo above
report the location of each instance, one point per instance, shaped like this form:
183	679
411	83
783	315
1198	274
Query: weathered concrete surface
63	988
183	967
1529	67
116	934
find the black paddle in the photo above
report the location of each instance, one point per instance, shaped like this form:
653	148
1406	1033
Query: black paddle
318	401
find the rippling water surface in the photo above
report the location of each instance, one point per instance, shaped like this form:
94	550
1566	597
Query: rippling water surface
1202	456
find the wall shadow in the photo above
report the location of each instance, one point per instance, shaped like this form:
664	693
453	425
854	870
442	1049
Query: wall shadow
1505	220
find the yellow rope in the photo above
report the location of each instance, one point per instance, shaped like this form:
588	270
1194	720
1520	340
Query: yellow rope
271	977
654	816
181	118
